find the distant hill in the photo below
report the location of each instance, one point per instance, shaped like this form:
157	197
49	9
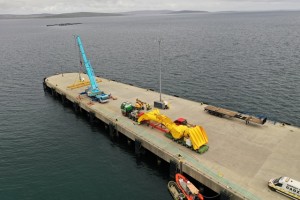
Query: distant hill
9	16
156	12
63	15
148	12
187	12
93	14
81	14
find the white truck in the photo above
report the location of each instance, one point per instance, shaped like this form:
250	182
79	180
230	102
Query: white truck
286	186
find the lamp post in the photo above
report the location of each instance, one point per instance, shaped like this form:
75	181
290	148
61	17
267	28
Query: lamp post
160	104
159	41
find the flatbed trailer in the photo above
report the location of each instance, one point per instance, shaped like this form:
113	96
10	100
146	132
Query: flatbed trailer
222	112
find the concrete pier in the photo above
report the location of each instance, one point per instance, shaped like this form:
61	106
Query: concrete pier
241	158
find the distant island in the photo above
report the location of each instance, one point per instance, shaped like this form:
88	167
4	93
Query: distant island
93	14
130	13
159	12
63	15
187	12
64	24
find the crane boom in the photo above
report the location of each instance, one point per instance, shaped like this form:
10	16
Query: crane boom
88	66
93	90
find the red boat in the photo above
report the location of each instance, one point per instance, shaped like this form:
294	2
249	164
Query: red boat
187	188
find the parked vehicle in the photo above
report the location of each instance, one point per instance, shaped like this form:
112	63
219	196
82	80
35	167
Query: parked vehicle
191	136
286	186
126	108
135	114
131	111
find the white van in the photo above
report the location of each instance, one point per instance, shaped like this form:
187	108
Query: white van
286	186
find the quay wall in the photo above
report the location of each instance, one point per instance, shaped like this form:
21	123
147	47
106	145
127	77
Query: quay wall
242	158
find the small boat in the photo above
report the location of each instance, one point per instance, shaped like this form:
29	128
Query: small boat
175	191
187	188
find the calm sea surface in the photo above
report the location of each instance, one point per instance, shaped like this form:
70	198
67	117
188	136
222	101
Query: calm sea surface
249	62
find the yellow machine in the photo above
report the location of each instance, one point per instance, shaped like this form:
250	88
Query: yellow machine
195	134
81	83
139	105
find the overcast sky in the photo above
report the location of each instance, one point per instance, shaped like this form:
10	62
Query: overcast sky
65	6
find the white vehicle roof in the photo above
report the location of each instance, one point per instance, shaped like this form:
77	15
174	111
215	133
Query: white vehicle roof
287	180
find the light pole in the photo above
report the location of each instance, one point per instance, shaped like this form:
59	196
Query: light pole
159	41
160	104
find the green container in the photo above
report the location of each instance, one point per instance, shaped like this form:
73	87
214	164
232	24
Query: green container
126	107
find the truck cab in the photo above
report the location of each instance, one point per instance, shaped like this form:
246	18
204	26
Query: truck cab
102	98
126	108
286	186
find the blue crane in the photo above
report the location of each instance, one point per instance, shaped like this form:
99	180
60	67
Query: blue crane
93	91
